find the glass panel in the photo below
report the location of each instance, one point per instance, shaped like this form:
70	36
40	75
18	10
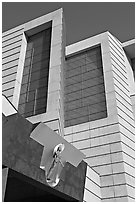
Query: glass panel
84	88
33	98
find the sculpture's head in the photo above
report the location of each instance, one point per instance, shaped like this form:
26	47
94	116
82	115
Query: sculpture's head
61	147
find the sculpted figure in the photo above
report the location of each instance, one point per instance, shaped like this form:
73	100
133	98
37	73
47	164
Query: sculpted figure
54	171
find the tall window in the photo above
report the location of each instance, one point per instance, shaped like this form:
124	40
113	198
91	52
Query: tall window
34	88
84	88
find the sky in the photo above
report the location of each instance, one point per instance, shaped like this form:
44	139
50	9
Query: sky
82	19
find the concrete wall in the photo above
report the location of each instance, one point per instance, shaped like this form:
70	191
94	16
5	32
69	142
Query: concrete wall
22	154
126	155
92	191
14	48
4	181
109	143
131	80
11	48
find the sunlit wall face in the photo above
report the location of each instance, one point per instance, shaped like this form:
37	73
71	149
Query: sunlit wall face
34	88
84	88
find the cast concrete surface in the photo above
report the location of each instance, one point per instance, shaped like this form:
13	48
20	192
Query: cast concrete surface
23	155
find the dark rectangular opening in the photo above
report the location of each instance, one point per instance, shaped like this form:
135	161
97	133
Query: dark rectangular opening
34	88
85	98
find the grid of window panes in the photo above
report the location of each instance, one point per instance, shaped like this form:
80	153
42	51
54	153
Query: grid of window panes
84	88
33	95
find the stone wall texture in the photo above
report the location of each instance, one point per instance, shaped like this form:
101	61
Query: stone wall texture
109	143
